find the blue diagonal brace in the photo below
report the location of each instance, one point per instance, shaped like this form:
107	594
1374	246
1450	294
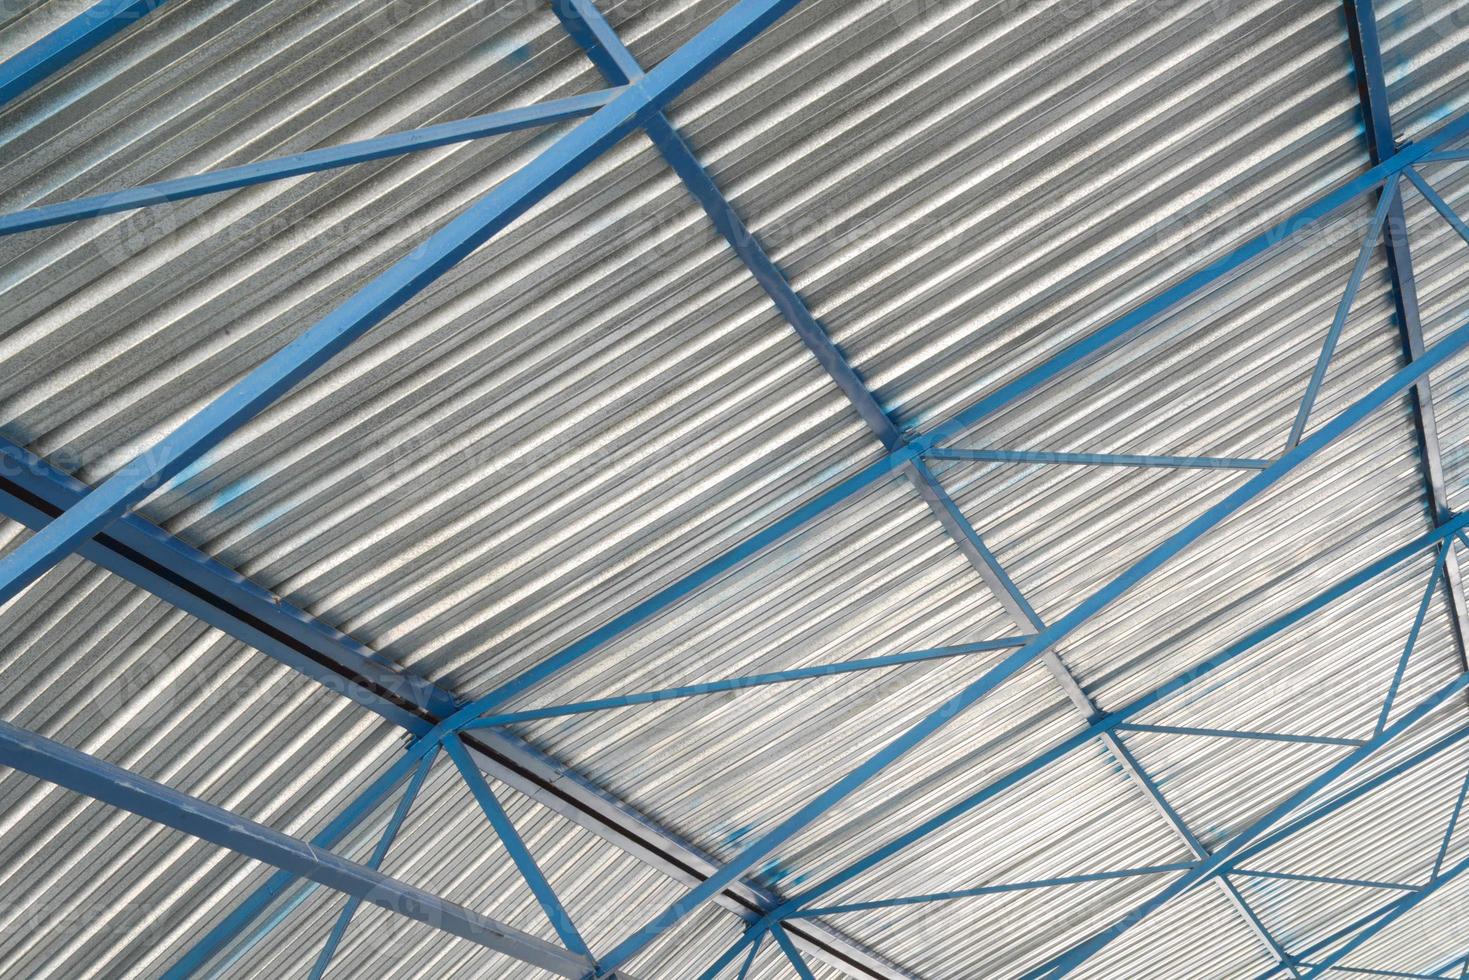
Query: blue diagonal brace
802	970
1386	199
309	162
389	291
1412	641
375	862
1276	627
69	41
1097	459
1402	907
1382	145
888	903
515	847
743	683
1079	352
1448	834
81	773
1383	394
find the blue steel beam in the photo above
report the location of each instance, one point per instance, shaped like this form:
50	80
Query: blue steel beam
232	925
375	862
888	903
69	41
1234	733
309	162
1371	79
81	773
1418	618
586	25
750	959
1097	459
802	970
752	937
1078	352
1227	857
510	838
390	290
1385	200
1116	718
1448	835
1103	598
1365	972
1402	907
1325	880
32	492
1439	204
742	683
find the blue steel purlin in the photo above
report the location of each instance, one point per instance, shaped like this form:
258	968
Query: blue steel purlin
74	528
390	290
1078	352
586	24
69	41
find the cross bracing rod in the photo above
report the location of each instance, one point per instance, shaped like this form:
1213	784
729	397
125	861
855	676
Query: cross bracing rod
385	842
81	773
388	291
1384	393
308	162
32	492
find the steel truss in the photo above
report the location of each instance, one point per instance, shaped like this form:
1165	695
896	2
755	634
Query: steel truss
97	524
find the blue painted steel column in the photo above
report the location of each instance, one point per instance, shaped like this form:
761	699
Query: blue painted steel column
390	290
64	766
69	41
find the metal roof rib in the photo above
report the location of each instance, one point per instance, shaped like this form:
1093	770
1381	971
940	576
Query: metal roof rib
872	488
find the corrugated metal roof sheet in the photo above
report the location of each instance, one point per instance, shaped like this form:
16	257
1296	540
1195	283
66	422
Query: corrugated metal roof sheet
603	400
